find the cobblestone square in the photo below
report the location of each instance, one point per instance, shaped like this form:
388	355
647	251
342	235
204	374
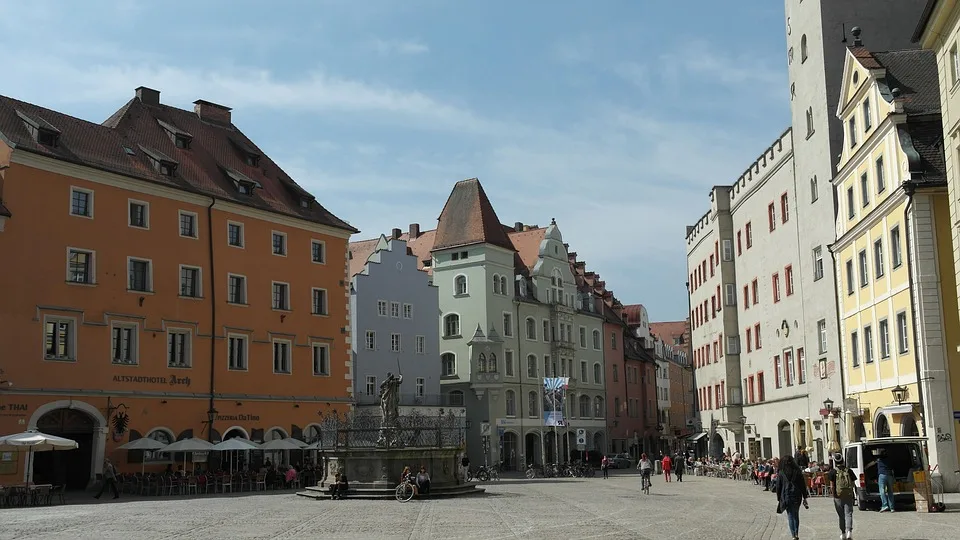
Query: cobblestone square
699	508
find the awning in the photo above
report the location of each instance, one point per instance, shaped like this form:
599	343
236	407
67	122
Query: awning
898	409
697	437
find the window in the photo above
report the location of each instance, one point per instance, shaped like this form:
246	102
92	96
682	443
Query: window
790	367
371	340
761	390
855	348
503	285
733	344
896	256
235	234
749	232
809	122
511	401
756	335
59	339
881	183
728	250
188	224
746	297
903	339
533	404
178	348
730	294
954	65
81	202
754	292
739	243
613	340
408	311
496	284
851	203
319	303
546	330
139	213
803	48
531	366
864	190
867	121
279	243
583	371
395	310
460	285
508	324
318	251
712	265
884	327
281	357
80	267
583	338
788	279
451	325
598	407
508	362
777	372
281	296
123	344
530	326
851	280
852	131
394	342
597	374
614	371
814	190
236	289
421	344
584	403
868	344
776	287
190	281
140	277
371	385
237	352
822	334
616	406
784	208
596	340
421	386
878	258
772	216
864	271
817	263
381	308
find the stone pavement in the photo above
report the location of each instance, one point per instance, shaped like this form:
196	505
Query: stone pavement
699	508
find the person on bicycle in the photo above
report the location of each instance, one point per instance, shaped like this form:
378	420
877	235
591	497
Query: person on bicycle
646	469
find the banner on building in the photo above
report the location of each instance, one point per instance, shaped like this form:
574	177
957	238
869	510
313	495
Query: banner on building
554	394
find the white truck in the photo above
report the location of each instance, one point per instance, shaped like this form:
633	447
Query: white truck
905	455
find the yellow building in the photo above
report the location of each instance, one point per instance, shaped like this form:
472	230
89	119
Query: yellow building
939	31
893	252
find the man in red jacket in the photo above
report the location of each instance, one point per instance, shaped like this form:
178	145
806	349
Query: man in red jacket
666	463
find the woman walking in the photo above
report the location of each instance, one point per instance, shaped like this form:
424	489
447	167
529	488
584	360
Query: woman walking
680	466
791	493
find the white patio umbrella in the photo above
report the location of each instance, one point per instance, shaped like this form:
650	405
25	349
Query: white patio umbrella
282	444
144	443
34	441
192	444
236	443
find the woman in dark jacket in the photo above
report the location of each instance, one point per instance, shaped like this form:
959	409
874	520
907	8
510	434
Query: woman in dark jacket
791	493
679	467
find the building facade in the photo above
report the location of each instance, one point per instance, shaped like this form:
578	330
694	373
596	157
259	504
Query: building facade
663	354
894	246
185	286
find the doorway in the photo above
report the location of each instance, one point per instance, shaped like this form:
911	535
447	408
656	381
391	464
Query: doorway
508	454
786	438
70	468
531	446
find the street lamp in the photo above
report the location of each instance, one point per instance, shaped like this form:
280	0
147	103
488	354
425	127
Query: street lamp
4	382
899	394
828	404
211	416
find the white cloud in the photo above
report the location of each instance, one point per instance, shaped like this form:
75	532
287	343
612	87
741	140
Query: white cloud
403	47
748	72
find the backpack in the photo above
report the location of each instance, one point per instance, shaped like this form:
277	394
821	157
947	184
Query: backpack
844	484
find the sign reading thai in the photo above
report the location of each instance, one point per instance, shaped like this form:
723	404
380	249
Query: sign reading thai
237	417
13	409
172	380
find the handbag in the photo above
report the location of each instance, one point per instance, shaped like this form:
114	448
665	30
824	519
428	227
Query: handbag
779	507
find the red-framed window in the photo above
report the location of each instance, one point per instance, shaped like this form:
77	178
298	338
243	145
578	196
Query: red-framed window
775	283
788	278
760	390
772	216
746	297
750	395
801	366
753	293
749	340
739	243
777	372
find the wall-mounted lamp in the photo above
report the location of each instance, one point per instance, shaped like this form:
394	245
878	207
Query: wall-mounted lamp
163	402
283	316
4	382
239	403
140	300
899	394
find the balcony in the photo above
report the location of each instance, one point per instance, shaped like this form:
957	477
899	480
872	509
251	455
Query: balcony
413	400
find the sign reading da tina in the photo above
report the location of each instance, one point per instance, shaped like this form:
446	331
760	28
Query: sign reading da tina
172	380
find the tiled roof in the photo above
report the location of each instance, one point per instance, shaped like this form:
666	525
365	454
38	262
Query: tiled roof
914	72
865	57
927	140
527	244
632	313
468	218
421	247
668	331
359	253
123	145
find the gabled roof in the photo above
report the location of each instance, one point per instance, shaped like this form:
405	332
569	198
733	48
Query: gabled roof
468	218
359	253
527	244
632	313
669	330
912	71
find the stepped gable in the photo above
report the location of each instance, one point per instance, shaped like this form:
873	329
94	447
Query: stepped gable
360	251
468	218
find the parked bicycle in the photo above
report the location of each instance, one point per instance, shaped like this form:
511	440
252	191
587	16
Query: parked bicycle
484	473
405	491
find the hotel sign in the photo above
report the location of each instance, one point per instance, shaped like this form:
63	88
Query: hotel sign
172	380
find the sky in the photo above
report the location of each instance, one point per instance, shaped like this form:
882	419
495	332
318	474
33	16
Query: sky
615	116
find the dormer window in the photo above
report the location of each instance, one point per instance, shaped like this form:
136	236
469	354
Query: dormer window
167	169
181	139
252	159
163	163
305	203
42	131
47	138
244	189
243	183
182	142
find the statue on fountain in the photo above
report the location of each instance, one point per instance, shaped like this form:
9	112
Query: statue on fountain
389	410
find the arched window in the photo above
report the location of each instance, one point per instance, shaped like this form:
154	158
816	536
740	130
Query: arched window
584	406
448	364
533	404
492	363
482	363
460	285
532	366
496	284
451	325
531	328
596	339
598	407
511	398
162	436
503	286
597	374
803	48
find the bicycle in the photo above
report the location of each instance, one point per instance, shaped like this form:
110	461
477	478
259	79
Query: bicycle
645	481
405	491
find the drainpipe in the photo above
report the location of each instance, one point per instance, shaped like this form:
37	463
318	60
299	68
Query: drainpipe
213	318
909	188
840	337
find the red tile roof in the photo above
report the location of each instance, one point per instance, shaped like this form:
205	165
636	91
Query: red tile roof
632	313
527	244
359	253
125	142
669	331
421	247
468	218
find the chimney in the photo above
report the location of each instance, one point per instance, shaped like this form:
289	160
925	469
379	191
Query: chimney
148	96
414	231
518	226
396	234
211	112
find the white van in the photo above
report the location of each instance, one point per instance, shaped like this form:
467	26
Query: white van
905	456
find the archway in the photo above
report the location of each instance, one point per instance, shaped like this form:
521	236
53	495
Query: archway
510	452
859	430
235	461
73	469
716	446
785	439
599	445
908	427
531	449
236	432
881	427
278	457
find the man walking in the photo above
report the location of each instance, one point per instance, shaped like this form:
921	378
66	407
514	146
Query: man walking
885	478
666	463
109	479
842	485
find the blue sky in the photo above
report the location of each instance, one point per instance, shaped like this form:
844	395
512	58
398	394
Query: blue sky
614	116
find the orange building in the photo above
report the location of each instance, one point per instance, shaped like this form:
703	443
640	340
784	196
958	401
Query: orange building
161	277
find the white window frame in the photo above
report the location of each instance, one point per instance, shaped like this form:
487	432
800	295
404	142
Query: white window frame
510	396
733	344
71	338
199	270
325	308
91	271
286	296
286	243
507	320
323	251
188	347
443	321
597	340
421	386
396	342
508	367
817	263
727	253
582	335
407	311
313	356
863	267
196	224
453	364
883	338
466	285
394	310
289	356
896	248
134	345
903	333
245	357
246	296
597	373
149	262
545	330
730	292
421	344
243	241
370	385
90	199
822	336
146	214
868	344
370	340
878	260
382	308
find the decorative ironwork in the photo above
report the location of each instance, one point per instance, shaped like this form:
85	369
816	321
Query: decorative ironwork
363	429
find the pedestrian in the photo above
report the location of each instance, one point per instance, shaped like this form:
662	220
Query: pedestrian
465	467
109	479
604	465
791	493
680	468
885	480
666	463
803	461
842	485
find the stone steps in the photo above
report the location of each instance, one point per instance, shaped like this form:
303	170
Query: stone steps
322	493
